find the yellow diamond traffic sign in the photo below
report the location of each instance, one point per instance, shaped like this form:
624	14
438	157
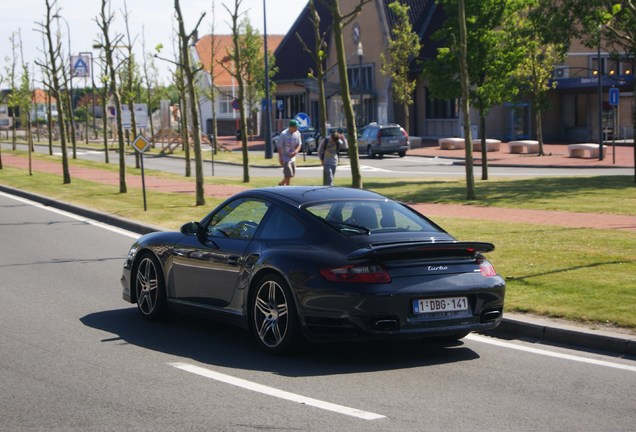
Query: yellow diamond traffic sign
140	143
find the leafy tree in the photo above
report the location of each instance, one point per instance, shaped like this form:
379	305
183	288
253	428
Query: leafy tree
404	45
541	53
611	23
493	55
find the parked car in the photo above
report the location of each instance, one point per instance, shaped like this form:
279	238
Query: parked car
377	139
323	263
312	143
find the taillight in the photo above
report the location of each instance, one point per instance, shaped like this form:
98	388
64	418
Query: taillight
405	134
487	269
379	134
367	273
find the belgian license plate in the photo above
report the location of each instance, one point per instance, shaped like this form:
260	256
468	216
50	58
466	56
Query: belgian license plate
449	304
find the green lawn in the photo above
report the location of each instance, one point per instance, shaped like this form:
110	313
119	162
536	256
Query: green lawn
578	274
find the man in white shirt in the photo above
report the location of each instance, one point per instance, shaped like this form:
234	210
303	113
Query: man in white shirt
289	144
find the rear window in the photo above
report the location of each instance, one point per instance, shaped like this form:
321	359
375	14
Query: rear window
391	132
363	216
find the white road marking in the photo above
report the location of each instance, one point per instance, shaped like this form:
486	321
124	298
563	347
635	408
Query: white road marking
271	391
74	216
547	353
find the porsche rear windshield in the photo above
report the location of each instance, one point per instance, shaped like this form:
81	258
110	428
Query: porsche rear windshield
371	216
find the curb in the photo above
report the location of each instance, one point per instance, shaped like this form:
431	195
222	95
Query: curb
547	331
515	325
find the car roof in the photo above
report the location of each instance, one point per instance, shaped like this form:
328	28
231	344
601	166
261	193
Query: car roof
300	195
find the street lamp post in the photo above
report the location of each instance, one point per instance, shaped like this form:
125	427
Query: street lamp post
269	151
360	54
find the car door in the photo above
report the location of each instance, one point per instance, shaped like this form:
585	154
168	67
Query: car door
206	268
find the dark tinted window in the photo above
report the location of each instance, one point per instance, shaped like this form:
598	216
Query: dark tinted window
392	131
377	216
280	225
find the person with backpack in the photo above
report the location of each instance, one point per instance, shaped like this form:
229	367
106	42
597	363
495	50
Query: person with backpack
328	154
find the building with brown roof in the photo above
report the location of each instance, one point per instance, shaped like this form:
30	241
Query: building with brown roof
215	77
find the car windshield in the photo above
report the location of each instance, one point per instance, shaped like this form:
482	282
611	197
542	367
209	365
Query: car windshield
370	216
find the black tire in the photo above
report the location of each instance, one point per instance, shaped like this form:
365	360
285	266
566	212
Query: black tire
150	288
370	152
273	317
402	154
308	150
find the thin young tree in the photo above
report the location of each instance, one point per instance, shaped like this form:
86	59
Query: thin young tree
340	21
12	64
404	45
54	66
109	42
190	76
540	55
238	70
465	86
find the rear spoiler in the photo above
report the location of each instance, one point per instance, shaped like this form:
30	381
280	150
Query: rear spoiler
414	247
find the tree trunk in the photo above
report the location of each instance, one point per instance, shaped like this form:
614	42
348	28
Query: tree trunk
539	132
463	55
185	134
484	149
184	40
352	138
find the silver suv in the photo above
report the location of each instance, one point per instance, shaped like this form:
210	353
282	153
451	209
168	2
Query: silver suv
376	139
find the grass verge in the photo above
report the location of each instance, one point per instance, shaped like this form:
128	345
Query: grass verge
578	274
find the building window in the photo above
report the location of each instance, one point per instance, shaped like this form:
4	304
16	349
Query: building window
224	103
360	79
611	66
292	105
441	108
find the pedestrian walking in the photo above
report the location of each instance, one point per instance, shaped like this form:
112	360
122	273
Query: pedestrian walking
289	143
328	154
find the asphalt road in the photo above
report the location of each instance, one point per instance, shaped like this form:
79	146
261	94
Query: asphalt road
387	167
75	356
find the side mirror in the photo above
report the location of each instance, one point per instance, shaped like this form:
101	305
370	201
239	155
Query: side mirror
191	228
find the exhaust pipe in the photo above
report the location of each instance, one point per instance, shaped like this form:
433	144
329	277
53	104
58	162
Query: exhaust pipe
491	315
386	324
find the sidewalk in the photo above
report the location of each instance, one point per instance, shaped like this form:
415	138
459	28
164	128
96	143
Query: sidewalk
619	156
518	325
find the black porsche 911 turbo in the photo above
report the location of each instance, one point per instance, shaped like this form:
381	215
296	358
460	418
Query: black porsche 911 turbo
320	263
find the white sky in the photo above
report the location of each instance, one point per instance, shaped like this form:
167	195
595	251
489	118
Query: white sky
154	17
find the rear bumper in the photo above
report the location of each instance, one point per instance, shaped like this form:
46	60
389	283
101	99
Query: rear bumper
391	316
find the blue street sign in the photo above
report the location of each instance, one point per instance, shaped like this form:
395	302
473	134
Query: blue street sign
614	96
279	105
303	121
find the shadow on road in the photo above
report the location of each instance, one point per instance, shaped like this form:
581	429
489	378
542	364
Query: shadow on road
216	344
